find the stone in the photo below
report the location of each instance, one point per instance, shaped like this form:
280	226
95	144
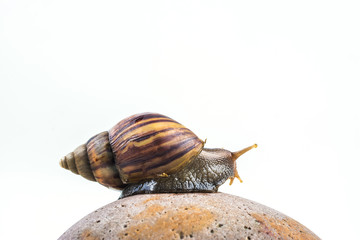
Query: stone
187	216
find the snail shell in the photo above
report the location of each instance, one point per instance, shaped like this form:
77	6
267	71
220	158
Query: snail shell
142	146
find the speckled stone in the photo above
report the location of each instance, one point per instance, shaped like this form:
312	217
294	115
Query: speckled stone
187	216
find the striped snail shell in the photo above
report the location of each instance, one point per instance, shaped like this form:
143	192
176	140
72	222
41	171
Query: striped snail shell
142	146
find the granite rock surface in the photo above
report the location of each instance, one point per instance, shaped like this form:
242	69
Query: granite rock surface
187	216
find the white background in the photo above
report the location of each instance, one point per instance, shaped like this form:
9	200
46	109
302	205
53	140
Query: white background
282	74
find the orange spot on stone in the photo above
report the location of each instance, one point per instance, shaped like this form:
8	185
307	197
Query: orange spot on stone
160	224
87	234
284	228
151	199
151	211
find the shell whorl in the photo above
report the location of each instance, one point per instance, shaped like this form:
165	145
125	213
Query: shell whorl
147	145
78	163
102	161
94	161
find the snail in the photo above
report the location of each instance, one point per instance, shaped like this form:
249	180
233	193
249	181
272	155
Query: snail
152	153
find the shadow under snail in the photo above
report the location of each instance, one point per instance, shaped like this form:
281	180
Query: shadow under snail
152	153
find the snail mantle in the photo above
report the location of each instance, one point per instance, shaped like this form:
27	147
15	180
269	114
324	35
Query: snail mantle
187	216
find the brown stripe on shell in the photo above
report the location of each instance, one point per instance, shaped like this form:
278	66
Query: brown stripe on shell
152	140
192	145
120	140
102	161
172	166
142	138
82	163
134	119
161	148
129	131
175	153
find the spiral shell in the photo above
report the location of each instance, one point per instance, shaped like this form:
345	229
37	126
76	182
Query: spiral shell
139	147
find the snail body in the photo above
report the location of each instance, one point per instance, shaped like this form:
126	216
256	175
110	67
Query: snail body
152	153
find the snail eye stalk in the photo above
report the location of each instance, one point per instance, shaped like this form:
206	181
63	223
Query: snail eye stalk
235	156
